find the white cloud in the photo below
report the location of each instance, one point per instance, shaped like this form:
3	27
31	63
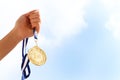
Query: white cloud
113	23
67	19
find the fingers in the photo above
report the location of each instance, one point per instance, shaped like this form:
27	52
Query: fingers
35	21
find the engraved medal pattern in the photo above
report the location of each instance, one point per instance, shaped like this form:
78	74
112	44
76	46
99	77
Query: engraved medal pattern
37	56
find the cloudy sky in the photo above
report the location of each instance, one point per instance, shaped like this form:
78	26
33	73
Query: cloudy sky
80	37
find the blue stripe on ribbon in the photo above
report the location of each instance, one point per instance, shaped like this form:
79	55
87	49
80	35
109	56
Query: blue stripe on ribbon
25	74
35	34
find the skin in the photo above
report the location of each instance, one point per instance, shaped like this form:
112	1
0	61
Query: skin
23	28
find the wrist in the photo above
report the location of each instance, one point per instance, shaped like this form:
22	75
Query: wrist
15	32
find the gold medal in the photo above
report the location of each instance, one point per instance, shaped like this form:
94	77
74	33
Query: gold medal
37	56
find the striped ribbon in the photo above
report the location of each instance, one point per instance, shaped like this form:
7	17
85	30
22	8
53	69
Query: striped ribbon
25	68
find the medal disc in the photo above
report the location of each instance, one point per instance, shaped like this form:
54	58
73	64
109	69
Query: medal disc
37	56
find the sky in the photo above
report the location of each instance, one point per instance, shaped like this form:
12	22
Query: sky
81	39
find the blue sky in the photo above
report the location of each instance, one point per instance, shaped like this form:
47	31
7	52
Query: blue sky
81	39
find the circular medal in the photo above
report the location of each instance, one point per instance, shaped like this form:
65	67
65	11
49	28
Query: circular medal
37	56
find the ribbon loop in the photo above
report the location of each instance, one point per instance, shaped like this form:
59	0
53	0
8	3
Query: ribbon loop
25	68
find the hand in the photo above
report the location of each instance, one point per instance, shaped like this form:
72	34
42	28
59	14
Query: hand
26	23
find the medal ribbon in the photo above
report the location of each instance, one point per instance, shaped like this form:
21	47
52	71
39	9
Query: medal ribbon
25	61
25	68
